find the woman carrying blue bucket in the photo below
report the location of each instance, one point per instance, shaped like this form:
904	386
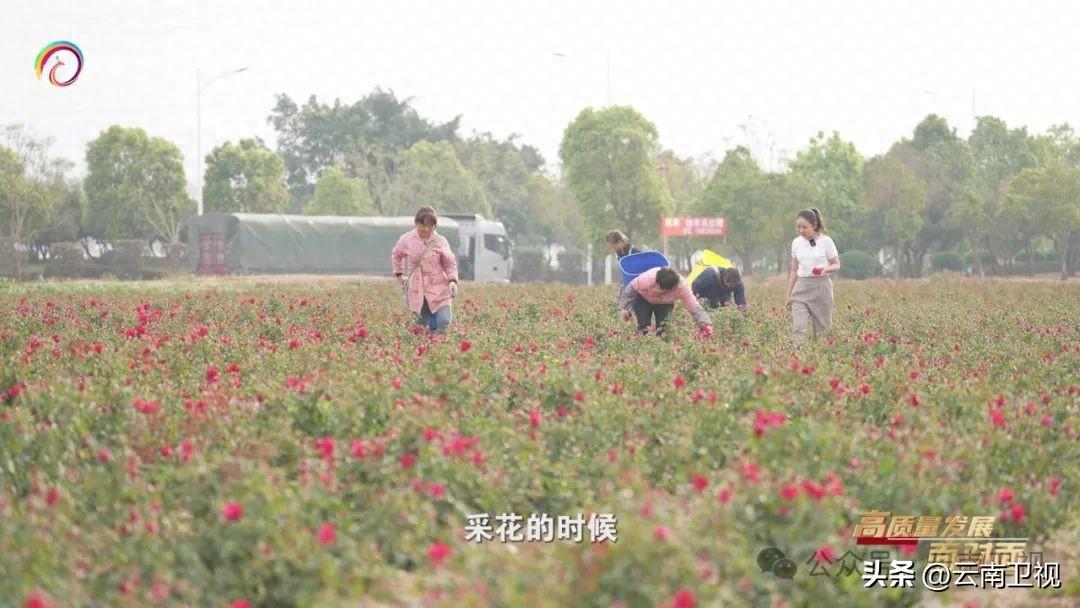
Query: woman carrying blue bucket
653	294
620	246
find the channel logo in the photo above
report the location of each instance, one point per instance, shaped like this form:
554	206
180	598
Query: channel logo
65	53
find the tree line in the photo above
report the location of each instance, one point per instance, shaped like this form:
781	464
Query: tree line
999	193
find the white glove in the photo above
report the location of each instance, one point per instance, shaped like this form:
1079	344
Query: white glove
453	289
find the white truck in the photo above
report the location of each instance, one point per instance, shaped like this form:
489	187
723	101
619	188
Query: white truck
484	249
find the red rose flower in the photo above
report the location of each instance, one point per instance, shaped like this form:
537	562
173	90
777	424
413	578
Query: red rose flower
438	552
232	511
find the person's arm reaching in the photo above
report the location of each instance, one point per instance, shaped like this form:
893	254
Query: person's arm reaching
626	298
740	297
693	306
700	288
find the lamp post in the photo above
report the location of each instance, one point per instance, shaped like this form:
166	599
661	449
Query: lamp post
199	88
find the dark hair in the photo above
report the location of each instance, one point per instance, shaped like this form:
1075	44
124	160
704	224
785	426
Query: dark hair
815	218
667	278
616	237
731	275
425	216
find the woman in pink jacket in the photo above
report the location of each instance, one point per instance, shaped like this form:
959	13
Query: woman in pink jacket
430	275
653	293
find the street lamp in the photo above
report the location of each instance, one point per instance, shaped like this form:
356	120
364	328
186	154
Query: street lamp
199	88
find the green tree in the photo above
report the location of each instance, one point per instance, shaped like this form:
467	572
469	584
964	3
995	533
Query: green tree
376	165
684	187
742	193
681	179
894	195
338	194
135	186
66	217
24	207
998	153
431	174
943	161
245	177
54	220
500	167
836	168
1050	198
931	131
972	219
317	135
554	215
1015	221
788	194
1064	144
607	157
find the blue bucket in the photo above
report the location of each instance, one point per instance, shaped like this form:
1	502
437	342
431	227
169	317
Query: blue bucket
636	263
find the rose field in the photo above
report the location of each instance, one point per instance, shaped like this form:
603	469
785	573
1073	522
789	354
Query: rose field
266	443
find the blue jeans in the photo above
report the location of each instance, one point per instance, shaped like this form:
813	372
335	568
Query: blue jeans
436	321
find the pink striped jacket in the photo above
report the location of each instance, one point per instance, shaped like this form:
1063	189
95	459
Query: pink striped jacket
431	280
646	286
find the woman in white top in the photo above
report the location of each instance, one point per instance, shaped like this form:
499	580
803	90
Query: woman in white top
810	290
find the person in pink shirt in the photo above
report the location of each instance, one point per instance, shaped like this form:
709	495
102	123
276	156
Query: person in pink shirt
427	268
653	294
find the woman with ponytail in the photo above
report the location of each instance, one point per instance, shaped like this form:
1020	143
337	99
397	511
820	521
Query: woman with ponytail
810	291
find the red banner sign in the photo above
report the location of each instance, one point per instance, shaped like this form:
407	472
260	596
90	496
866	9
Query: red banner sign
693	226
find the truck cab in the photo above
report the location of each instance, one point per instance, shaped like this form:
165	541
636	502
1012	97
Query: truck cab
483	249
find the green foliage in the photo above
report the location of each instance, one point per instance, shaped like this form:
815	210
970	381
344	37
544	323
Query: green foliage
500	167
742	193
894	196
608	160
855	264
337	194
836	168
944	163
788	194
932	131
23	207
317	135
432	175
948	260
245	177
1047	201
66	221
983	256
553	215
529	264
682	180
135	186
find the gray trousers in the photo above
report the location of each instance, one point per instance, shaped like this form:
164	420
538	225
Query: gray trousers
811	301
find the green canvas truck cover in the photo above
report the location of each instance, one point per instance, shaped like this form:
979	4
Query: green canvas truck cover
269	243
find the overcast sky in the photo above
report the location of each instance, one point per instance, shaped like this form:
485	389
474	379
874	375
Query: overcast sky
698	70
